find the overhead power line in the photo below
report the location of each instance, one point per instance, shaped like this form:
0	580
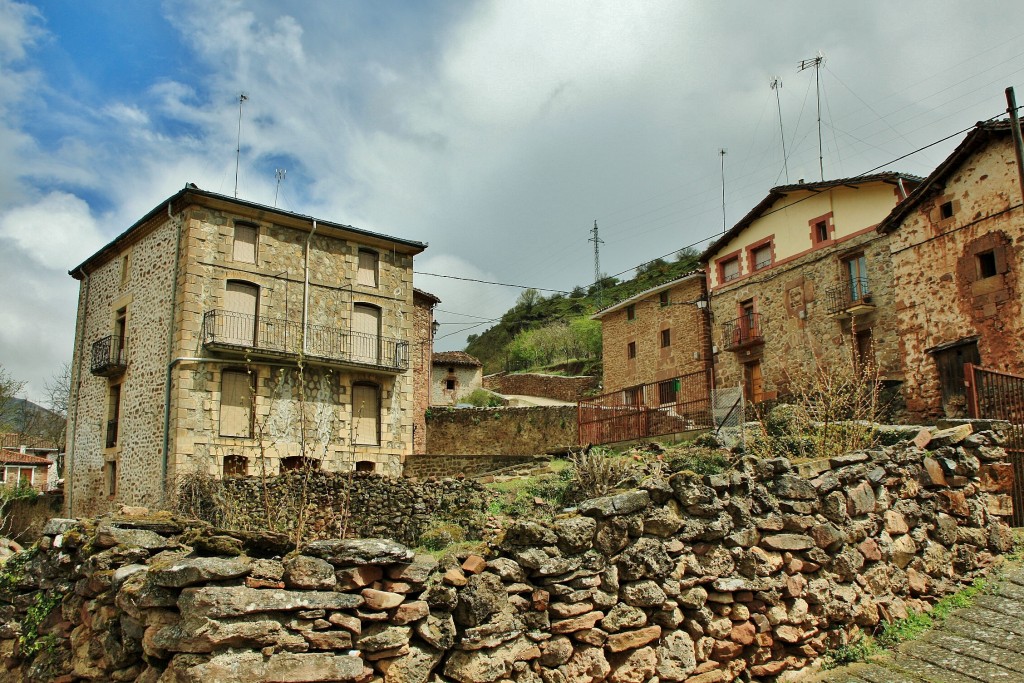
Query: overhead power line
489	282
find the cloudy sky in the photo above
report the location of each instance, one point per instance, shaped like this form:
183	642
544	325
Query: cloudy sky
496	130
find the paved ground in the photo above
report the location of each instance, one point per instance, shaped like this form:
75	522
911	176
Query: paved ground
518	400
981	644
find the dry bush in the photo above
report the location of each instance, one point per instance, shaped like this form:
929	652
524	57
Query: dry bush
595	472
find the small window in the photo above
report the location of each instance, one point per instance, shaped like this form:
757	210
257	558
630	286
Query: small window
244	248
449	384
110	478
986	264
631	350
631	312
663	299
821	232
236	466
667	391
946	210
761	257
666	338
124	270
365	466
296	463
730	269
633	396
113	414
367	268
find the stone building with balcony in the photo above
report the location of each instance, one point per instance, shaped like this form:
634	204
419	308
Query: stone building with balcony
228	338
803	281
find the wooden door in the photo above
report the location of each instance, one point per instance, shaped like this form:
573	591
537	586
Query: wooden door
366	334
239	325
950	364
753	387
366	415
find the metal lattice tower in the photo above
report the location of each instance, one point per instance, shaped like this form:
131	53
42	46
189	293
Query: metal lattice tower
597	261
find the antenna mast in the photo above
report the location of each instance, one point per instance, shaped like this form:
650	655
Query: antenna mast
722	152
279	174
238	141
816	62
776	85
597	261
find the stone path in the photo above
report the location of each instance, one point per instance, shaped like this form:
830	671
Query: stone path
983	643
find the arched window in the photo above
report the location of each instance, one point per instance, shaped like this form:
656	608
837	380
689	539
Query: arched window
366	414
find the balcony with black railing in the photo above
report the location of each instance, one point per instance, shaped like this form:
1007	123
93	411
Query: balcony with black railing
245	335
108	357
742	333
850	297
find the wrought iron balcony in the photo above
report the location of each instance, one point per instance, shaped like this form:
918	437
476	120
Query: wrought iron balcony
108	358
260	337
851	297
742	333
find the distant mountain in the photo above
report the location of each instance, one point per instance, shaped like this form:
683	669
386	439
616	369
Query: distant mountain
30	420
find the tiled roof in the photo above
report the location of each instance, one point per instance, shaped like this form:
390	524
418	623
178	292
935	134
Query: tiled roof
15	440
432	298
699	272
456	358
9	457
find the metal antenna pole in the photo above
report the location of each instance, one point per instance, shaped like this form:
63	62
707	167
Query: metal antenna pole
816	62
279	174
238	141
776	85
722	153
597	262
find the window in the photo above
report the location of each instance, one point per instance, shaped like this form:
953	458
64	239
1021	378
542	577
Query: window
235	466
238	324
631	312
366	414
449	384
124	271
857	278
663	299
666	338
235	404
120	331
113	414
367	275
295	463
631	350
365	466
761	257
946	210
110	477
243	249
986	264
667	391
729	269
633	396
820	232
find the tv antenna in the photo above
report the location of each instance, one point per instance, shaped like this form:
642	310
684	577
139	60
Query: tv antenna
722	152
238	141
816	62
279	174
776	85
597	261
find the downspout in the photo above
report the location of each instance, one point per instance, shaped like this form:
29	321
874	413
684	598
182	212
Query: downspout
69	447
170	353
305	289
903	190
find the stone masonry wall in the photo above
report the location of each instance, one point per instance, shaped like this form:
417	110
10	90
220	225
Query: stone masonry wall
545	386
501	431
422	351
437	466
742	575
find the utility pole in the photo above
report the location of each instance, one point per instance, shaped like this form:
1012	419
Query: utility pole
722	153
597	262
1018	145
279	174
238	141
776	85
816	62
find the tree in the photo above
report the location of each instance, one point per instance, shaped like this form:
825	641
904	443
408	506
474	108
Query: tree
58	393
9	390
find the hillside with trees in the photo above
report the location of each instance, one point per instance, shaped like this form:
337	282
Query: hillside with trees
555	333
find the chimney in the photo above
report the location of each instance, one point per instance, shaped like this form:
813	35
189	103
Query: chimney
23	449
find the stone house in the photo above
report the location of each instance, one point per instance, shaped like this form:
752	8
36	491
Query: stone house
20	468
423	352
957	261
803	281
454	375
223	337
655	336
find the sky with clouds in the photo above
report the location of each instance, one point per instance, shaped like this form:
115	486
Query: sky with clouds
497	131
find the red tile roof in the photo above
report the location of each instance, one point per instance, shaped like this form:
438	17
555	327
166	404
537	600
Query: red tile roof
9	457
456	358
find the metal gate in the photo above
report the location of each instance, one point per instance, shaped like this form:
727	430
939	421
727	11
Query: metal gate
680	404
995	395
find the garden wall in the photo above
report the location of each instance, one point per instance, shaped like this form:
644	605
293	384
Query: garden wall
437	466
701	579
547	386
501	431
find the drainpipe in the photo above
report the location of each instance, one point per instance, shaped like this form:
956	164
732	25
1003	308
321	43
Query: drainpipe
170	352
69	447
305	289
903	190
1018	145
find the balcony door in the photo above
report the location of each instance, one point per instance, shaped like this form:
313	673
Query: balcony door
366	334
857	277
239	324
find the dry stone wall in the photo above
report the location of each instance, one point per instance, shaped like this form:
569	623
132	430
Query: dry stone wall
743	575
547	386
501	431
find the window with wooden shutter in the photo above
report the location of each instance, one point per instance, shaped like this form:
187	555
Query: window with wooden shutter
238	324
366	414
235	404
367	275
366	334
244	247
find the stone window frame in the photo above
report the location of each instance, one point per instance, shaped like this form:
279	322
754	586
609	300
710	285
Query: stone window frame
664	298
752	264
631	312
944	212
126	264
828	219
365	466
235	242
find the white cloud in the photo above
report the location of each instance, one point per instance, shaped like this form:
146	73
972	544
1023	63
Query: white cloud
52	230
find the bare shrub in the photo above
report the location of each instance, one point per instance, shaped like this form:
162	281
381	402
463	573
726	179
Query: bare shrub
595	472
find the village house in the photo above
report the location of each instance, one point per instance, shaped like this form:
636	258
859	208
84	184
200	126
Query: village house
804	281
455	375
19	468
424	329
957	261
229	338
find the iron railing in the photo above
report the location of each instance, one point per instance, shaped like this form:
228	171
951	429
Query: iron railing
680	404
743	332
849	293
995	395
231	331
108	357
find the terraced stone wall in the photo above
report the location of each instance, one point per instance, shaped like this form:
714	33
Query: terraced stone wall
738	576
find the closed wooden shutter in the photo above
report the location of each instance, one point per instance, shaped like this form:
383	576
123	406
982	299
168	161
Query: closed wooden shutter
244	248
366	334
367	268
235	404
239	325
366	415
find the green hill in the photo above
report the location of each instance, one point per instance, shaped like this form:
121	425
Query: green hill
556	332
